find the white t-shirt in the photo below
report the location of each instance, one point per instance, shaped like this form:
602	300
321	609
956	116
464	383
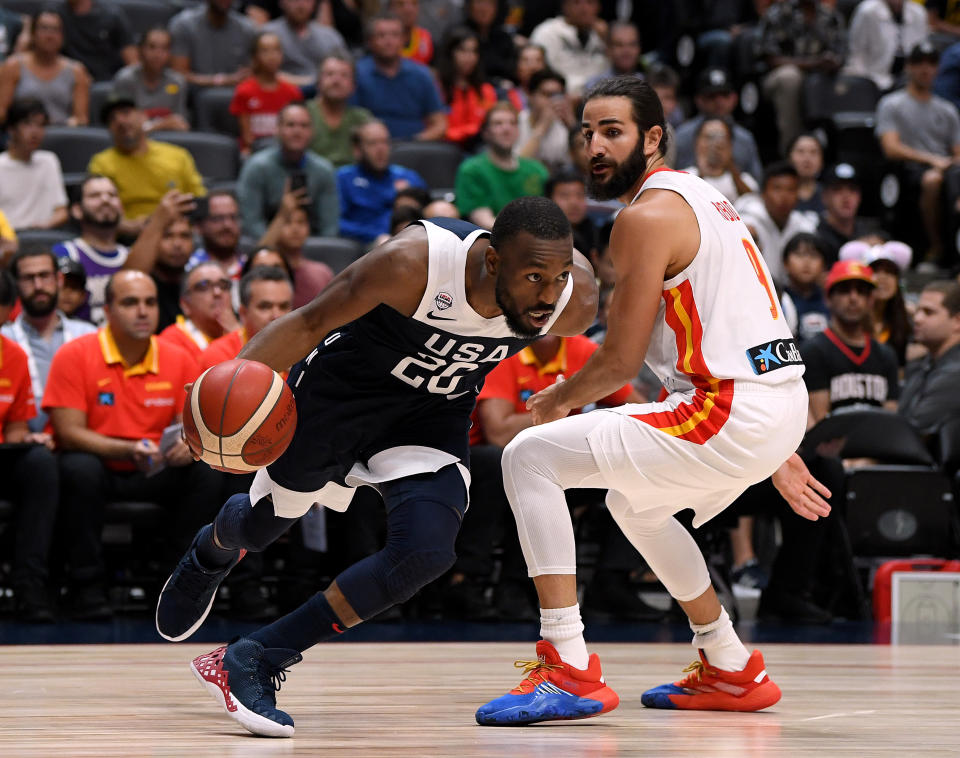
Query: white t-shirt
724	183
771	239
31	191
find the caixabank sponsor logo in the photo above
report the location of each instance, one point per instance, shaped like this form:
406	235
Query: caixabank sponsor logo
774	355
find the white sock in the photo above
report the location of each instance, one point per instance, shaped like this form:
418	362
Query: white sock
720	643
563	629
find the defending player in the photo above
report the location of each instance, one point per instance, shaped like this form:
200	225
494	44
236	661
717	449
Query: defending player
695	299
391	357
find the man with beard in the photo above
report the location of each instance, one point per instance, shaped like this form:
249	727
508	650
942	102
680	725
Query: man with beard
695	300
388	362
486	182
367	188
96	249
207	311
219	227
40	330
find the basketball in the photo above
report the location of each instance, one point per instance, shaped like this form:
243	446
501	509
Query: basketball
241	416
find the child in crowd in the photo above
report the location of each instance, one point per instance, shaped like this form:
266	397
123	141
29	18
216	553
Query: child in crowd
259	98
803	301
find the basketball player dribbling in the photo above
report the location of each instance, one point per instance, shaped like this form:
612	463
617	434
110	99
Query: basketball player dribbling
389	360
695	300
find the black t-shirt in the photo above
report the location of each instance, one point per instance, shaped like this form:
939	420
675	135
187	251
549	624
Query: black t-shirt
168	302
854	376
96	39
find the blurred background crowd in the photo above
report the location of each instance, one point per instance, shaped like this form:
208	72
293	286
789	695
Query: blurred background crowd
175	175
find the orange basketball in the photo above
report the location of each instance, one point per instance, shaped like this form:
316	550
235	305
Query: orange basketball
240	416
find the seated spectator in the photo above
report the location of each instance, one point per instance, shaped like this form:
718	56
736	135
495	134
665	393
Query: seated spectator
929	397
270	172
306	42
922	132
111	395
806	156
846	367
502	413
569	191
839	222
32	195
498	54
947	82
398	91
11	26
488	181
41	72
716	98
207	310
720	23
98	213
440	209
211	44
266	294
772	215
464	86
573	46
219	227
715	163
259	98
798	37
287	234
417	41
882	33
331	115
265	257
73	297
623	47
802	299
143	170
666	83
30	479
40	329
367	189
98	35
545	125
887	260
156	89
530	59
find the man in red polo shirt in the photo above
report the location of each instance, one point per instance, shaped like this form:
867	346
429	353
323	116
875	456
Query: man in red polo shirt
266	294
28	472
110	395
207	310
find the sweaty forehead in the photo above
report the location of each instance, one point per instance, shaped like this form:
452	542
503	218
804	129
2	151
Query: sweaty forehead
523	249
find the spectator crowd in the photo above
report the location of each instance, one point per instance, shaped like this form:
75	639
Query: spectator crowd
173	181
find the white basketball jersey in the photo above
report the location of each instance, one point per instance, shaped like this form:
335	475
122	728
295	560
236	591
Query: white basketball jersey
720	318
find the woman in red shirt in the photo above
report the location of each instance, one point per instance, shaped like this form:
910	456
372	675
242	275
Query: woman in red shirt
259	98
465	89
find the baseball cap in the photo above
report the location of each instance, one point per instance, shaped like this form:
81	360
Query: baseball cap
114	101
714	80
923	51
842	173
73	272
845	271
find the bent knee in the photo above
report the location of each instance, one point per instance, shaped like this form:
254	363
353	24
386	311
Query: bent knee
932	178
416	569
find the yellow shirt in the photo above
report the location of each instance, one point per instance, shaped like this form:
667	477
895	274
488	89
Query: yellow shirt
143	179
6	231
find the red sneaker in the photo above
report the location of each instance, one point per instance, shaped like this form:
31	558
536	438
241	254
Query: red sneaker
551	691
709	689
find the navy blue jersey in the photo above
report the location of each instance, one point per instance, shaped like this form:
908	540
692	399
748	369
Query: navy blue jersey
387	381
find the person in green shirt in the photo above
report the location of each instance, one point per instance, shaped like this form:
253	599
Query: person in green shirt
333	118
488	181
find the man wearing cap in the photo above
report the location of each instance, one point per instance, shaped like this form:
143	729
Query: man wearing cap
143	170
846	366
797	37
839	222
922	132
73	295
881	32
717	98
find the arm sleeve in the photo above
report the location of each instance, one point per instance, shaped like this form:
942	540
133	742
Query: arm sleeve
65	386
59	192
250	194
885	118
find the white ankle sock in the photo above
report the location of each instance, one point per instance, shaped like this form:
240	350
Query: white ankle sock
563	629
720	643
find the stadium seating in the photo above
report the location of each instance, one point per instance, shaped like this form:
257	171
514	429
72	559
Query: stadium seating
212	111
99	92
436	162
75	146
216	155
42	239
336	252
146	14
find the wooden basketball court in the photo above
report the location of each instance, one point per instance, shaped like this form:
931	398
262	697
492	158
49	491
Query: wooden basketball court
417	699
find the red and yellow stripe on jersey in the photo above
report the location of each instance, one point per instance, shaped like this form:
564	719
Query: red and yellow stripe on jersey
701	418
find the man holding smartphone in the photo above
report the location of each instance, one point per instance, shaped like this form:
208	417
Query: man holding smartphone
289	167
545	124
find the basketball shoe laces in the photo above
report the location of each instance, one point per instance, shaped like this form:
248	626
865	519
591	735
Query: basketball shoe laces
536	672
695	673
272	679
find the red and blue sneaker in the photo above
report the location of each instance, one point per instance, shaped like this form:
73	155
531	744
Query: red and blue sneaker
706	688
551	691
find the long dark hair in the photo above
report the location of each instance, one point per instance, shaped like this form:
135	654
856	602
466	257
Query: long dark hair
446	68
897	322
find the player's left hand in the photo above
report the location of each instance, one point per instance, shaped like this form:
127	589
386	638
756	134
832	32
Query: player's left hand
546	405
803	493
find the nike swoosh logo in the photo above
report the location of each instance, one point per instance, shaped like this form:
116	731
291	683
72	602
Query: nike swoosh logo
430	315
